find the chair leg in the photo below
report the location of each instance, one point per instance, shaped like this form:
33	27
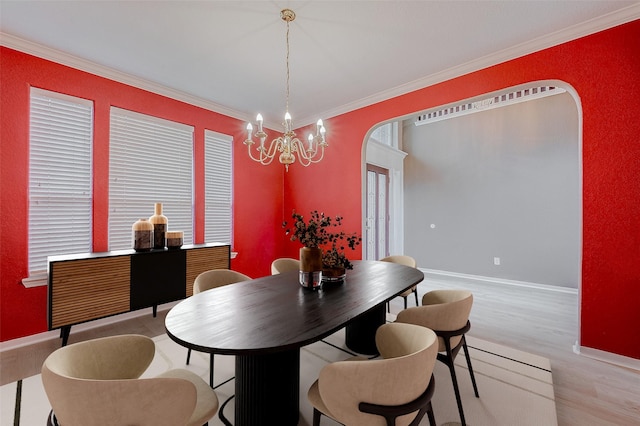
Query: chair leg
188	356
456	389
432	419
415	293
466	355
316	417
211	370
389	307
405	302
51	419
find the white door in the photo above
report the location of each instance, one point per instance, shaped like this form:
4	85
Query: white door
377	229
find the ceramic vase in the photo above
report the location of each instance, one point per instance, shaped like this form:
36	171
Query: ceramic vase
159	222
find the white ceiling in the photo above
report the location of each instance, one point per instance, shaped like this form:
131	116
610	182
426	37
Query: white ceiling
230	55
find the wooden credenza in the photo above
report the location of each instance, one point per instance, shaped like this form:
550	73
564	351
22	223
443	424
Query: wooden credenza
89	286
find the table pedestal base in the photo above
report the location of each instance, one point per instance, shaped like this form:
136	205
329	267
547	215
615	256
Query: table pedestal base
361	332
268	389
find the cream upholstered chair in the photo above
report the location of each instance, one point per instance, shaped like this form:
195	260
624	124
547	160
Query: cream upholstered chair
407	261
447	313
212	279
394	390
284	264
96	383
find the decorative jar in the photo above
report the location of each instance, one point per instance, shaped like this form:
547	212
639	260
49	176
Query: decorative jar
175	239
142	235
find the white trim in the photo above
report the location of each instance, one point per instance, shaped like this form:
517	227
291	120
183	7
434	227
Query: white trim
37	279
81	64
592	26
500	281
55	334
486	103
565	35
608	357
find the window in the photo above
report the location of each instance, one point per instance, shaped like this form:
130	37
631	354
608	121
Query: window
218	163
60	140
150	161
386	134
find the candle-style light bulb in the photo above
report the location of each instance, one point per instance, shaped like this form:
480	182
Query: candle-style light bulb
249	130
259	120
310	138
287	121
318	126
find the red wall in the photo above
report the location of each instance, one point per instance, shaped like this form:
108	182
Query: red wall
257	189
603	69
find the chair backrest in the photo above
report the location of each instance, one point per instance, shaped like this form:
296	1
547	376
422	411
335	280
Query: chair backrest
217	278
284	264
401	259
441	310
96	383
409	353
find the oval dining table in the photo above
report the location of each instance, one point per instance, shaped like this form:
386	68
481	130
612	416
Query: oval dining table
265	321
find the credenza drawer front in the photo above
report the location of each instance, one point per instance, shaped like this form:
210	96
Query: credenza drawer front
88	289
204	259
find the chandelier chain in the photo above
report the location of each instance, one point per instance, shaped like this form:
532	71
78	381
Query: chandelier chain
287	92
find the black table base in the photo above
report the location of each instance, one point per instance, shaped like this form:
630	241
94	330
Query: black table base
268	389
361	332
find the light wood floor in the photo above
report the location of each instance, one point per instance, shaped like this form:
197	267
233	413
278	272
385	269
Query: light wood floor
587	391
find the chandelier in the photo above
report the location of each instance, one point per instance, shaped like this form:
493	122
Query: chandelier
288	145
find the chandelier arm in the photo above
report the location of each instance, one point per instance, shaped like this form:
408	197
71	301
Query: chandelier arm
264	158
270	153
304	157
274	146
260	159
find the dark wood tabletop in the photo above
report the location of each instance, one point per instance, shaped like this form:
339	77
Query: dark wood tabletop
275	313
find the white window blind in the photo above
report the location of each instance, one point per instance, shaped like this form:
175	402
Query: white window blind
60	140
218	163
150	161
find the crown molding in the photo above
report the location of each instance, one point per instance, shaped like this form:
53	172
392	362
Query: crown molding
592	26
601	23
72	61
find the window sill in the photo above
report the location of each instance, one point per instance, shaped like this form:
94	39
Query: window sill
36	280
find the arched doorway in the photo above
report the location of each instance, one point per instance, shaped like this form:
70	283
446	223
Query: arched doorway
492	186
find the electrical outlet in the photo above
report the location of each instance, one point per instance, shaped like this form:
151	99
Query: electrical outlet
496	261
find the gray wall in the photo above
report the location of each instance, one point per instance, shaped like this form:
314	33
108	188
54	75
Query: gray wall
498	183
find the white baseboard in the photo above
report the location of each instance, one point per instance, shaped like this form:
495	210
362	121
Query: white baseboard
600	355
55	334
608	357
435	272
